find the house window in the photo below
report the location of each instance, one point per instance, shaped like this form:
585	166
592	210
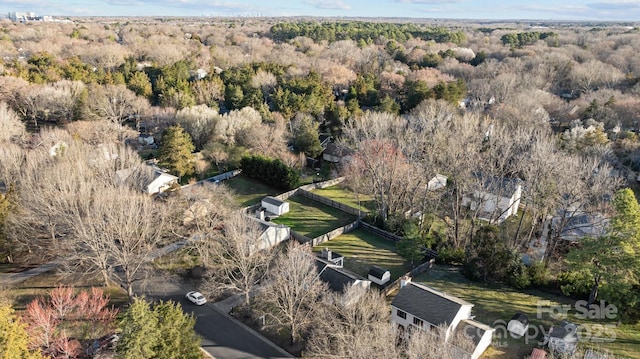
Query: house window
401	314
418	322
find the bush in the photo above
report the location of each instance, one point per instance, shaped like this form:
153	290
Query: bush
519	277
271	171
539	274
575	284
447	255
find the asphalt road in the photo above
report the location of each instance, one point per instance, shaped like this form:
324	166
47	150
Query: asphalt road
222	336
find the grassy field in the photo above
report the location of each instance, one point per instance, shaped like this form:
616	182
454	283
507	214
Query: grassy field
344	195
494	306
40	286
249	191
311	218
362	249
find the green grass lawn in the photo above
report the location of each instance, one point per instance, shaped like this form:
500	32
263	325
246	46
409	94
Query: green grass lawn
249	191
362	249
346	196
311	218
496	305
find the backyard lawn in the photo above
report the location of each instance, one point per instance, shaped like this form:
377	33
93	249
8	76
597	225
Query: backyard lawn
249	191
40	286
494	306
362	249
346	196
311	218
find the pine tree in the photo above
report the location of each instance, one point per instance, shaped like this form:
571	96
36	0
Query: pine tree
178	339
13	336
139	332
176	150
307	139
161	331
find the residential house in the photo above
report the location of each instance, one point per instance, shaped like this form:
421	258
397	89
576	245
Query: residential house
574	226
158	181
437	182
563	338
272	234
378	275
198	74
275	206
417	306
339	279
145	139
335	153
161	182
495	199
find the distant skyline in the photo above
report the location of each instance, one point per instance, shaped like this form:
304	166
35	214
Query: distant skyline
594	10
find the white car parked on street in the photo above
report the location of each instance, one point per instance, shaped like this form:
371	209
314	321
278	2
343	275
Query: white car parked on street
196	298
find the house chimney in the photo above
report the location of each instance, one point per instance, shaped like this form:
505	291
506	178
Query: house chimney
404	281
326	254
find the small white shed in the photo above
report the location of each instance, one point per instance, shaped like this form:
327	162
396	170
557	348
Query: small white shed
378	275
519	324
275	206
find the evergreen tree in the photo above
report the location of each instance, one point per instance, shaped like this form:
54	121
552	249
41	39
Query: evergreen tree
178	339
13	336
610	265
138	332
175	151
161	331
307	139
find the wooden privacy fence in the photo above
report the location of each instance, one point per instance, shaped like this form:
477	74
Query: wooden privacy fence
381	232
331	203
395	285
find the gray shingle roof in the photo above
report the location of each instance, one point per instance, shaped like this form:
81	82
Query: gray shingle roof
428	304
272	200
338	279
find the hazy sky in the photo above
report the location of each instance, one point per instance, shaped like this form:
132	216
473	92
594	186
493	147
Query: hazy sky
614	10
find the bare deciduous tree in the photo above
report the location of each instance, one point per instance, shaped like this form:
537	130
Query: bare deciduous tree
115	103
432	344
292	291
358	328
11	128
237	258
116	232
379	163
199	122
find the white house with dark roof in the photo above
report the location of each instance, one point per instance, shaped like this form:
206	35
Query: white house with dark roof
574	226
495	198
339	279
272	233
156	180
417	306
